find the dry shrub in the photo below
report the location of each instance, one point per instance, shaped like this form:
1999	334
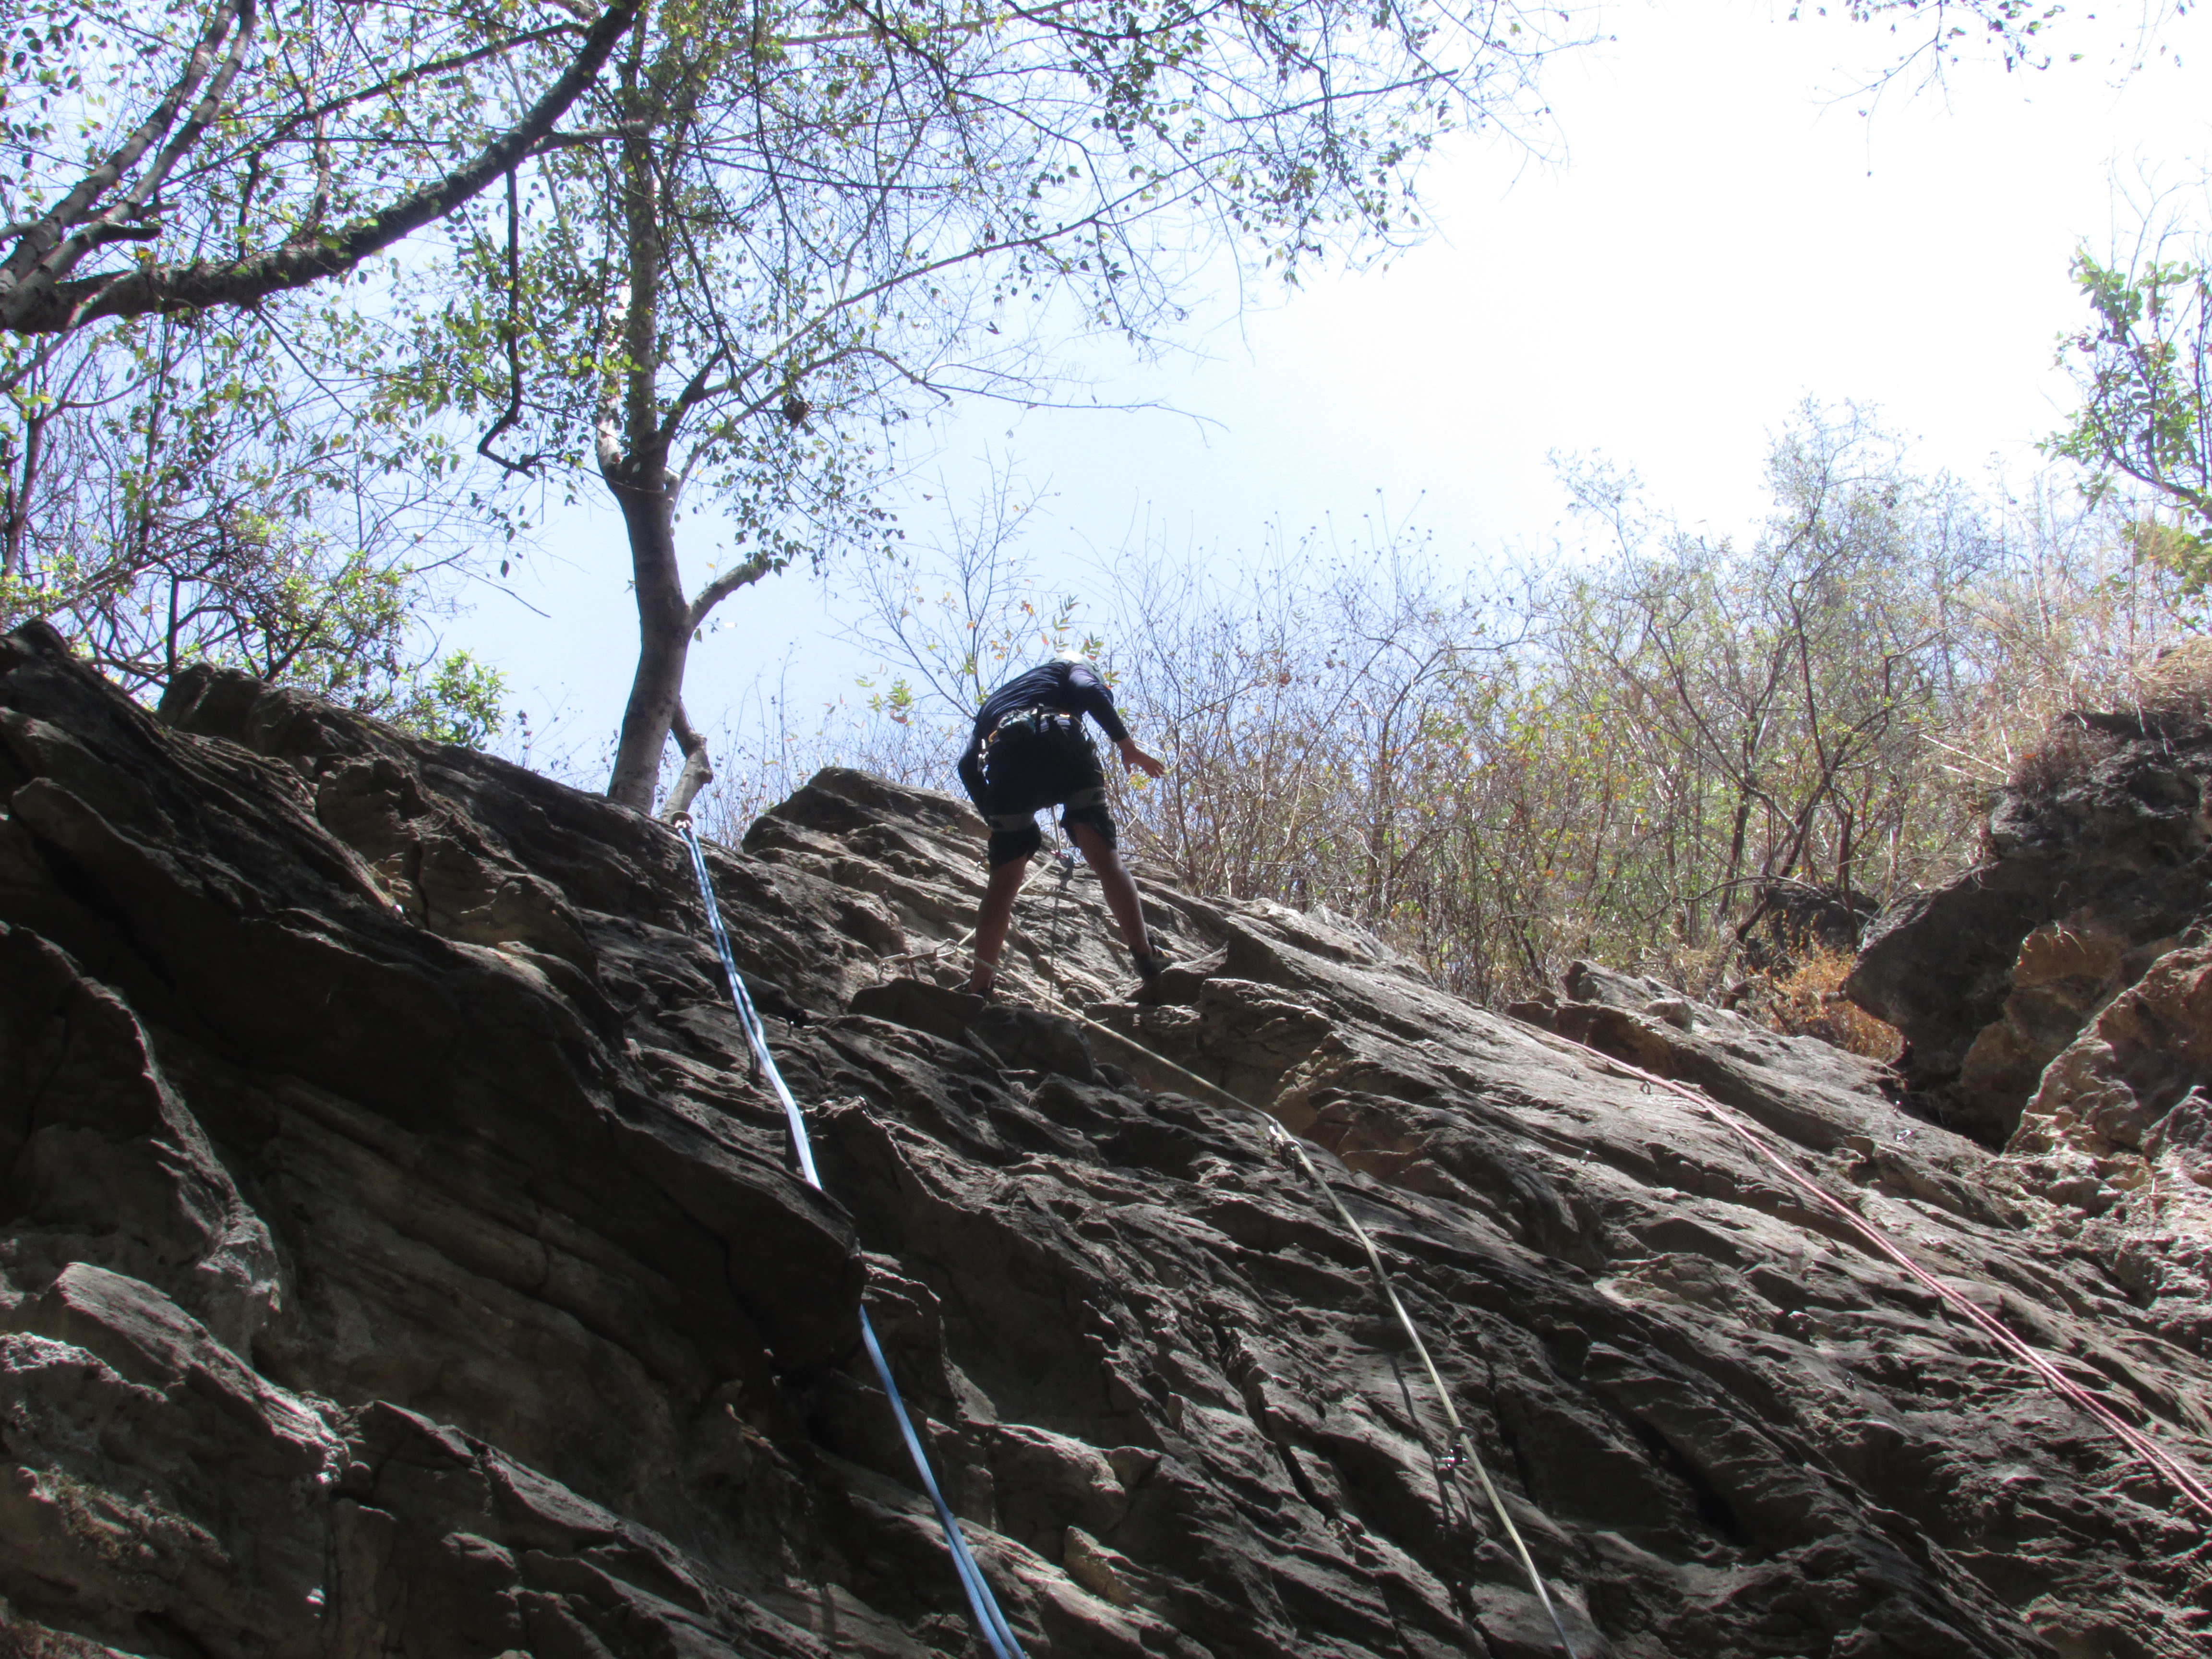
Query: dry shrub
2068	750
2177	688
1809	1001
2169	696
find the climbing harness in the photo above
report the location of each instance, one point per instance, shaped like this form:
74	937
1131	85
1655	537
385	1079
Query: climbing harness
990	1622
2193	1486
1030	757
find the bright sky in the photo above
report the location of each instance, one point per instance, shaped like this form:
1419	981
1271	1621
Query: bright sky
1718	235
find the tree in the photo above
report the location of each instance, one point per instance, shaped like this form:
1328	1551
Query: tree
797	227
1631	754
183	159
2141	365
775	232
191	469
1310	705
1686	731
188	158
811	220
1786	682
190	502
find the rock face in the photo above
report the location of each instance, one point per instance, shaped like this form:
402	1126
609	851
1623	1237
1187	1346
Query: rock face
2099	863
397	1257
2058	999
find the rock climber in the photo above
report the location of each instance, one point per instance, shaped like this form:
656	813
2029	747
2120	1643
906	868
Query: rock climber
1029	750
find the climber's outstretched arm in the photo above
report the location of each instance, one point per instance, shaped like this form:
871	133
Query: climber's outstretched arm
1136	760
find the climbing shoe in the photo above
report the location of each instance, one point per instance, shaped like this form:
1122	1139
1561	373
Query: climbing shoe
1149	969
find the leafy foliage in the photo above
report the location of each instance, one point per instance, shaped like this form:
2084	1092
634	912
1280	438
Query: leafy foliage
1628	758
1629	754
718	259
458	700
780	233
2146	385
187	157
188	502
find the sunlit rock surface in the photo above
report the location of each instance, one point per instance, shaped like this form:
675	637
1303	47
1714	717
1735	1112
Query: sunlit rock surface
400	1259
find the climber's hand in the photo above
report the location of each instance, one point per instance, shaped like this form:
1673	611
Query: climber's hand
1136	760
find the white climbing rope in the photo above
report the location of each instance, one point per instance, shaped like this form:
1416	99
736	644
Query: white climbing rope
990	1622
1461	1450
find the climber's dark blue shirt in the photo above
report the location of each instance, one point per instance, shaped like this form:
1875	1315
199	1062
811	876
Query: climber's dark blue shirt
1075	687
1069	688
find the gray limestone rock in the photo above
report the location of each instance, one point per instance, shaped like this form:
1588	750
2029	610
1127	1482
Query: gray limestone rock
399	1257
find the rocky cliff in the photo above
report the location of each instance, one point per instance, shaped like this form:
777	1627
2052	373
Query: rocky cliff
2099	857
400	1258
2058	999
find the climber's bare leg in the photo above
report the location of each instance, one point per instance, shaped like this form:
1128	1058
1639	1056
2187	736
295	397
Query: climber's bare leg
1120	891
993	920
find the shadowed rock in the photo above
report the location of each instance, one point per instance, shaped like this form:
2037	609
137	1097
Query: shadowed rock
2099	860
399	1257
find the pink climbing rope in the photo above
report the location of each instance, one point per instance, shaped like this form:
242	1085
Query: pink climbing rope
2184	1480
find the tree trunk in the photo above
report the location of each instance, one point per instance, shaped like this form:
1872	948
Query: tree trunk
664	632
1738	830
698	766
634	447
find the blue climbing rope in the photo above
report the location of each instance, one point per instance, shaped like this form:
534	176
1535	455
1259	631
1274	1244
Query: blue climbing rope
748	1016
997	1634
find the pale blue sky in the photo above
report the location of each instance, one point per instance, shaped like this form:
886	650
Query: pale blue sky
1716	235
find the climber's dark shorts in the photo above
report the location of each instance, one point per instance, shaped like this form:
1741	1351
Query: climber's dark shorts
1079	790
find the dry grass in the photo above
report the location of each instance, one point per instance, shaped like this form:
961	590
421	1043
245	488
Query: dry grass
2168	697
1809	1001
2068	749
2177	688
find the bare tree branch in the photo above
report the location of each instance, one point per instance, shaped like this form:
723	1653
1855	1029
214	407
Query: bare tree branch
737	576
31	306
698	766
